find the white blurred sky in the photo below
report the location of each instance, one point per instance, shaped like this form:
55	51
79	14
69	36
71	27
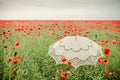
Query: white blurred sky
60	9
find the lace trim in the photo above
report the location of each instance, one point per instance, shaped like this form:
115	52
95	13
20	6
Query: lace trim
91	60
76	50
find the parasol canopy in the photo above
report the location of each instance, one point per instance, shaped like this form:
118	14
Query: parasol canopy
78	50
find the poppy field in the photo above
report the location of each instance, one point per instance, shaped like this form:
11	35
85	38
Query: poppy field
24	50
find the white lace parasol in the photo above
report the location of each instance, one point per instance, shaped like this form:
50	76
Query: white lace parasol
78	50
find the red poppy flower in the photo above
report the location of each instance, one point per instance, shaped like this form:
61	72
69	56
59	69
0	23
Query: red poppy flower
14	71
53	34
18	29
105	62
116	36
103	42
19	57
85	35
74	34
87	32
10	58
5	36
100	60
69	63
60	37
15	61
107	52
31	28
68	32
113	41
107	72
112	72
118	30
60	70
63	60
38	33
94	40
65	34
106	44
16	45
67	72
40	28
63	77
106	33
4	32
63	73
106	41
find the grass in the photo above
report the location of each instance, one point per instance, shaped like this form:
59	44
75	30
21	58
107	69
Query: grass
36	64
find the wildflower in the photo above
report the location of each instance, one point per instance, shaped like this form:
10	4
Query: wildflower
107	72
94	40
105	62
100	60
67	72
53	34
40	28
107	52
31	28
10	58
68	32
19	57
63	60
118	30
116	36
63	73
19	29
85	35
69	63
16	45
106	41
74	34
103	42
65	34
63	77
60	71
112	72
38	33
14	71
106	44
15	61
87	32
106	33
113	41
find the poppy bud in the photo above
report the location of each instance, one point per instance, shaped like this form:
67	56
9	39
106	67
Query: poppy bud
5	46
15	53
